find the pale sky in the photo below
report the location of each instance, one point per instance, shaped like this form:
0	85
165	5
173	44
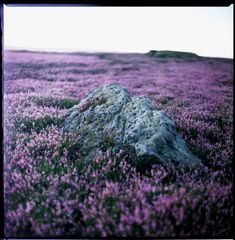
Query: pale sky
206	31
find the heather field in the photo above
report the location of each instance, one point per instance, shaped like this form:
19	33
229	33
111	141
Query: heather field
50	190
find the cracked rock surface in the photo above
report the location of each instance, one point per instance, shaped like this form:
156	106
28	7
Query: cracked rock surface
109	118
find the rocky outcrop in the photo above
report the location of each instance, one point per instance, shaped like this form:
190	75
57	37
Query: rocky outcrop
172	54
109	118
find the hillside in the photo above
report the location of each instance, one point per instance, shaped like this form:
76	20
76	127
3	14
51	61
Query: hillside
50	190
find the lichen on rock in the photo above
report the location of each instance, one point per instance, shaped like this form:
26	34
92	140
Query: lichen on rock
114	120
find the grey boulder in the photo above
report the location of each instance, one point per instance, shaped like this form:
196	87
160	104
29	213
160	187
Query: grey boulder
109	118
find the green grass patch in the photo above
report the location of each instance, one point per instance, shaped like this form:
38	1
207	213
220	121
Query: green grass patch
72	145
64	103
165	100
26	125
97	71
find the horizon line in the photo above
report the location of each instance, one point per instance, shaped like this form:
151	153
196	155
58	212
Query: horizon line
64	51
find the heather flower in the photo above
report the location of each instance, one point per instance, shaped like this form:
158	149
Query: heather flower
49	190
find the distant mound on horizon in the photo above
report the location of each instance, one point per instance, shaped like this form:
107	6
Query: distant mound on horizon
172	54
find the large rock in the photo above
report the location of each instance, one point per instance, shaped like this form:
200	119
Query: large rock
109	118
